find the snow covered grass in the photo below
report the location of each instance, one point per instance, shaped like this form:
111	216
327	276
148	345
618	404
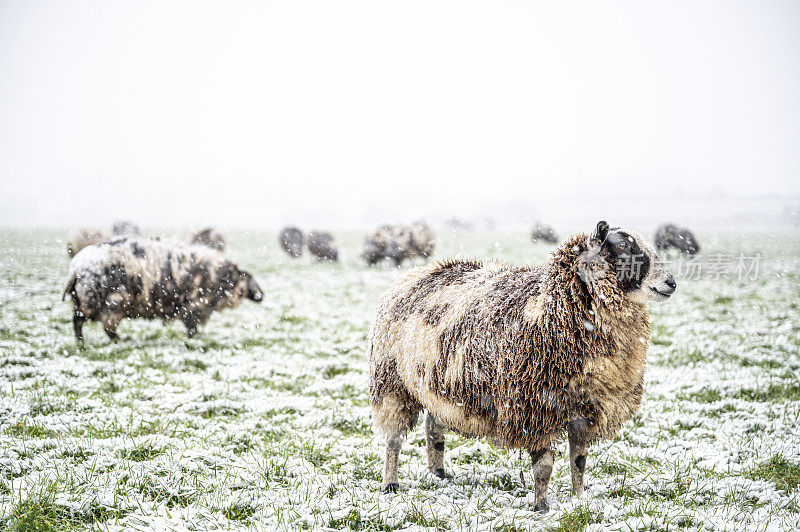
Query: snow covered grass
262	420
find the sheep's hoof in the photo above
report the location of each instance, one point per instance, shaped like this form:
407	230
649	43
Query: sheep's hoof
439	472
391	488
542	507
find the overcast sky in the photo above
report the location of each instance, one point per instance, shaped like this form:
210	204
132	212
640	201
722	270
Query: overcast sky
238	113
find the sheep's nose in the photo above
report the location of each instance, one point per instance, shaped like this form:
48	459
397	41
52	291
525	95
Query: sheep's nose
671	283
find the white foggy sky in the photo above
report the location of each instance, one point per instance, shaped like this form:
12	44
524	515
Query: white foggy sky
237	113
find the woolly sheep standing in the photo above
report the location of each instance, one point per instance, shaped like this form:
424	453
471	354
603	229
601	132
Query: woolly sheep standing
398	242
291	239
139	277
82	237
209	237
321	245
544	232
671	235
517	355
125	227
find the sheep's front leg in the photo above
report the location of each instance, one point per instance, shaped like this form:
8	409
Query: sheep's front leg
542	469
393	444
578	449
434	443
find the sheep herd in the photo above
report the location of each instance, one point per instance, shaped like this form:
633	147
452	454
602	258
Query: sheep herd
518	355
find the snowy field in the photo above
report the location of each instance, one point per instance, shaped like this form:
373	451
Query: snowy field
262	420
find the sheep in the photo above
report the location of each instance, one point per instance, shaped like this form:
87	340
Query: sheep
321	245
519	355
138	277
82	237
543	232
208	237
291	239
125	227
398	242
670	235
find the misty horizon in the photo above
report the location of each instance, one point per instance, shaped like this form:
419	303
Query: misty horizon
348	115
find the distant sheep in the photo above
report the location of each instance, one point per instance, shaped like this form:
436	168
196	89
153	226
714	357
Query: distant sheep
671	235
125	227
321	245
82	237
208	237
518	355
398	243
291	239
544	232
139	277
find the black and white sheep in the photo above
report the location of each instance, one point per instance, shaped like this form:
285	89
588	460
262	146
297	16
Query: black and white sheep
671	235
291	239
209	237
139	277
519	355
542	232
82	237
321	245
398	243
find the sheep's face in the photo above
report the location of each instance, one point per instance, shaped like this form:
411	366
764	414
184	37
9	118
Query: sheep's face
373	251
684	240
640	272
247	287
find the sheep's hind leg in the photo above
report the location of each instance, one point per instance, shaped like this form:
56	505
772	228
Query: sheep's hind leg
393	444
577	453
77	325
434	443
542	469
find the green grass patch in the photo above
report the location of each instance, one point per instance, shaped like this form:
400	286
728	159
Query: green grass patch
140	454
354	521
577	520
417	517
778	470
332	371
352	427
39	513
24	430
239	512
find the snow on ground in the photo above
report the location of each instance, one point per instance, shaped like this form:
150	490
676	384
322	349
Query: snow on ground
262	420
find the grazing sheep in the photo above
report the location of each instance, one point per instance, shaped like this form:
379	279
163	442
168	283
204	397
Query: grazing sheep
82	237
125	227
398	242
671	235
291	239
543	232
519	355
208	237
321	245
139	277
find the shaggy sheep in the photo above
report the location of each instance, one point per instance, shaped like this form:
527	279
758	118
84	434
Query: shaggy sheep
517	355
125	227
208	237
322	246
139	277
544	232
671	235
291	239
398	242
82	237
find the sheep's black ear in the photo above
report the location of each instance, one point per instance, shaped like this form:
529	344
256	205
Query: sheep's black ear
601	231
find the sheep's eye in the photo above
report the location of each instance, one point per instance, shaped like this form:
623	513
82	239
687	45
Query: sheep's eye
622	245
